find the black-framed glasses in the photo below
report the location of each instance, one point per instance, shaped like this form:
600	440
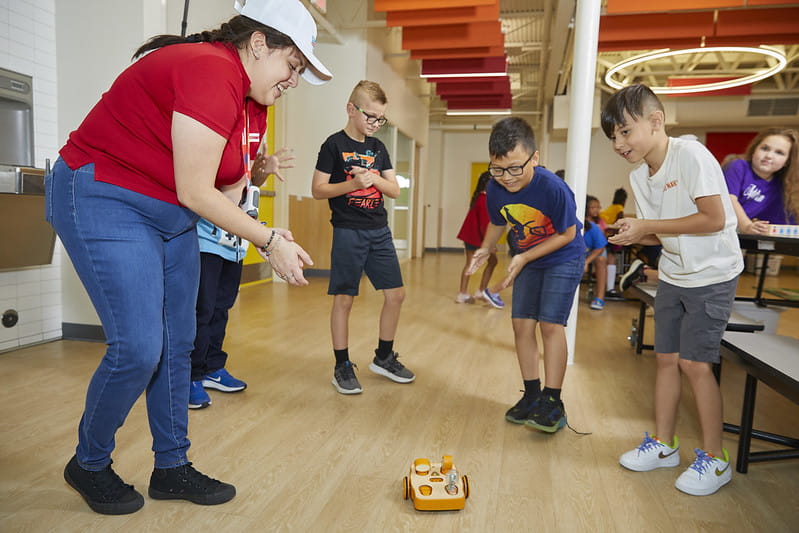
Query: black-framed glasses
371	119
515	170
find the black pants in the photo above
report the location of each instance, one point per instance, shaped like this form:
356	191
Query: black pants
219	287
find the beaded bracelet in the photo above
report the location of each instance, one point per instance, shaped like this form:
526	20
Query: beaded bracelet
265	248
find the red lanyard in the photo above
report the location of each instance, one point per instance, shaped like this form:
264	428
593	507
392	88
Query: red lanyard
245	146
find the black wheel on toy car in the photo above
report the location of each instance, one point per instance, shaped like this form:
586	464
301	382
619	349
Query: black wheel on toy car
465	486
406	485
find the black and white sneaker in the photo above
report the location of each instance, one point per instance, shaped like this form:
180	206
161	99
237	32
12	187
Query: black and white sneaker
344	378
391	368
633	275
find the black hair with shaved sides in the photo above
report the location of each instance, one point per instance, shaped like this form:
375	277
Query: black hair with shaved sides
636	100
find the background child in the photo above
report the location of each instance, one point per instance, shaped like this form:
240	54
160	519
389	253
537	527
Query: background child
548	256
615	210
683	204
221	262
764	185
595	251
354	172
472	232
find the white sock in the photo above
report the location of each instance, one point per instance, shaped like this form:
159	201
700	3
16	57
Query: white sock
611	283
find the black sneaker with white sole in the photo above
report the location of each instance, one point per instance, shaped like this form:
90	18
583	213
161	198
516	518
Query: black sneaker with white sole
633	275
391	368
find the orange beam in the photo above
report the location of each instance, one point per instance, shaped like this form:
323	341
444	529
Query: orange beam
617	7
453	35
753	40
409	5
656	26
648	44
429	17
758	21
457	53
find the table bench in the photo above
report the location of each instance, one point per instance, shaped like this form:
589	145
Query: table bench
646	292
774	360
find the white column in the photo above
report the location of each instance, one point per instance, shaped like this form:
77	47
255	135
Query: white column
581	101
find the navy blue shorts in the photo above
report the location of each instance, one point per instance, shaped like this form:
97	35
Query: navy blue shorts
359	251
547	294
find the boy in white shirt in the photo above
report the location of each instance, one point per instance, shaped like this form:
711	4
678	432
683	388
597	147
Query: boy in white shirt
682	203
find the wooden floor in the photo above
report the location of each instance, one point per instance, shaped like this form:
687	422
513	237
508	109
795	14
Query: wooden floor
305	458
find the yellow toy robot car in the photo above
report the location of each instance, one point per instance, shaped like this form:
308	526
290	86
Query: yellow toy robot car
436	486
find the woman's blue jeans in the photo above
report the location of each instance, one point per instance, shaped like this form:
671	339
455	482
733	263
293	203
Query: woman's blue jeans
138	258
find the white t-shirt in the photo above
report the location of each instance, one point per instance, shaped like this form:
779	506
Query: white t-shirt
689	172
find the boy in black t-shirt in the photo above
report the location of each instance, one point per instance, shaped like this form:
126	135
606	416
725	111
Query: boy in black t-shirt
354	172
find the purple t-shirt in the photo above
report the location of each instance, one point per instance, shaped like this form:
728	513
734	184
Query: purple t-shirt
759	198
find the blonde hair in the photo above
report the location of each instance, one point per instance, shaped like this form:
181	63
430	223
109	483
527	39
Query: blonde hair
368	89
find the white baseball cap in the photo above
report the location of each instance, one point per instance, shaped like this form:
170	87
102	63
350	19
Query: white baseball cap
291	18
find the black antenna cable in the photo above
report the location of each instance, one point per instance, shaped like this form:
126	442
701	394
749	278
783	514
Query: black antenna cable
184	22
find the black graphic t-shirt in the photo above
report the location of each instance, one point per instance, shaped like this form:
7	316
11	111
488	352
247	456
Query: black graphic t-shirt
361	209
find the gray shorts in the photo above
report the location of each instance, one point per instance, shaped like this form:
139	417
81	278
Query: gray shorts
691	321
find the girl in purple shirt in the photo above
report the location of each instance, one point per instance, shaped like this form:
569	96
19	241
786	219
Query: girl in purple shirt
764	185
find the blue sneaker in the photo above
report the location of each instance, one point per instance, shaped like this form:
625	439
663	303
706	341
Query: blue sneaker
597	304
222	380
198	398
494	299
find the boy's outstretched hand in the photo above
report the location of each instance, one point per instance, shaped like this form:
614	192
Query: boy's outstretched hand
478	259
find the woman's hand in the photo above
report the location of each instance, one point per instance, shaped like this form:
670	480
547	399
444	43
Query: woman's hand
287	259
271	164
757	227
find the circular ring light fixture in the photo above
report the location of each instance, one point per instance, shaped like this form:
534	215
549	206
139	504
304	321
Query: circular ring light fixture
700	88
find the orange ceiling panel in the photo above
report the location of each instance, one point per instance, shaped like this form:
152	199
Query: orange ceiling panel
769	2
457	53
741	90
453	35
467	87
655	26
504	101
408	5
753	40
648	44
615	7
757	21
429	17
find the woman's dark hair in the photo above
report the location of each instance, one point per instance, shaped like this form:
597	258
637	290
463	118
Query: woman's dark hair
236	31
619	196
482	181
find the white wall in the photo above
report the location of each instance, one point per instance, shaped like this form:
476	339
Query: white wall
27	45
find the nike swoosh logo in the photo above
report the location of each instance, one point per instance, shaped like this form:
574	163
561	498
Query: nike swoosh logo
214	379
721	473
662	456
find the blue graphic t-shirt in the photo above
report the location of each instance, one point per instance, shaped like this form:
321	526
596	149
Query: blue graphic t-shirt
361	209
544	207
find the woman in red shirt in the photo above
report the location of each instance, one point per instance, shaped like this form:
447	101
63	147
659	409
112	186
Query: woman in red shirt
168	142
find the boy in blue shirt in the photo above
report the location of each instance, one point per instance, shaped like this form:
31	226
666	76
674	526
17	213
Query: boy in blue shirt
548	257
682	203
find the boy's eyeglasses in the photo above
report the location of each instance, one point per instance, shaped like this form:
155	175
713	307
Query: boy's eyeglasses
515	170
371	119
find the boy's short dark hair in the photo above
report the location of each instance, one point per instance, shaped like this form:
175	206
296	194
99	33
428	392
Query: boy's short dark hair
636	100
509	132
619	196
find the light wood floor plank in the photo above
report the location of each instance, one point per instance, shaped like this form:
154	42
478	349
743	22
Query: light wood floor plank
305	458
